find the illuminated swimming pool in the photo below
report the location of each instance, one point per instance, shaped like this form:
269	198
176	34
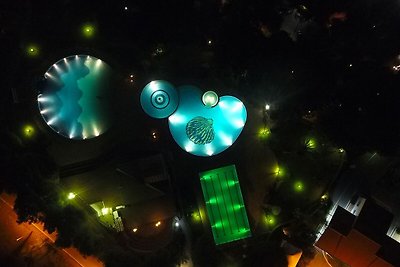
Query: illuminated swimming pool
204	125
225	206
74	98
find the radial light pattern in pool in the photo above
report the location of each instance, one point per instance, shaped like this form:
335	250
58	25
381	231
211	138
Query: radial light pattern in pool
74	97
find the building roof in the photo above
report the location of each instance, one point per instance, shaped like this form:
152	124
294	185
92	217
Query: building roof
374	221
390	251
343	221
355	249
127	184
361	240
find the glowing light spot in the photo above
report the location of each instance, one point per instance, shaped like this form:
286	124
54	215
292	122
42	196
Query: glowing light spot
239	123
71	195
267	107
176	224
98	63
176	118
311	144
212	200
228	141
277	171
298	186
28	130
96	130
238	106
189	147
209	150
45	99
32	50
52	120
44	111
48	75
270	220
218	225
264	133
154	86
105	211
158	224
88	30
134	230
238	206
196	216
232	182
223	104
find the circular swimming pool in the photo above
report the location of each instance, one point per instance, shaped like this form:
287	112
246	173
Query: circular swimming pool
74	99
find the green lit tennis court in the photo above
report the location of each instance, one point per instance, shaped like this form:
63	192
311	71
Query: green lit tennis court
224	204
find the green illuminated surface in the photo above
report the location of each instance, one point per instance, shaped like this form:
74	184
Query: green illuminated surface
224	204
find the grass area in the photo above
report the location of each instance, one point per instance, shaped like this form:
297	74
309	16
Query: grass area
308	163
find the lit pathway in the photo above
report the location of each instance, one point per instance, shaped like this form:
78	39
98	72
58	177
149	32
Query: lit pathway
30	241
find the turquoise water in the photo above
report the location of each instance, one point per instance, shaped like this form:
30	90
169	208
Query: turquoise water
74	100
202	130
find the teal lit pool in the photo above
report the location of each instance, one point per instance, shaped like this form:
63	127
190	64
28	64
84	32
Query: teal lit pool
206	130
74	98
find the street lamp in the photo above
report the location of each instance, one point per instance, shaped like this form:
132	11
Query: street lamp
266	117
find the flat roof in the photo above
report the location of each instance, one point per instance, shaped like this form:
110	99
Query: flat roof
342	221
224	204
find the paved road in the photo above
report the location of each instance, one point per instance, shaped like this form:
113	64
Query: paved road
28	245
